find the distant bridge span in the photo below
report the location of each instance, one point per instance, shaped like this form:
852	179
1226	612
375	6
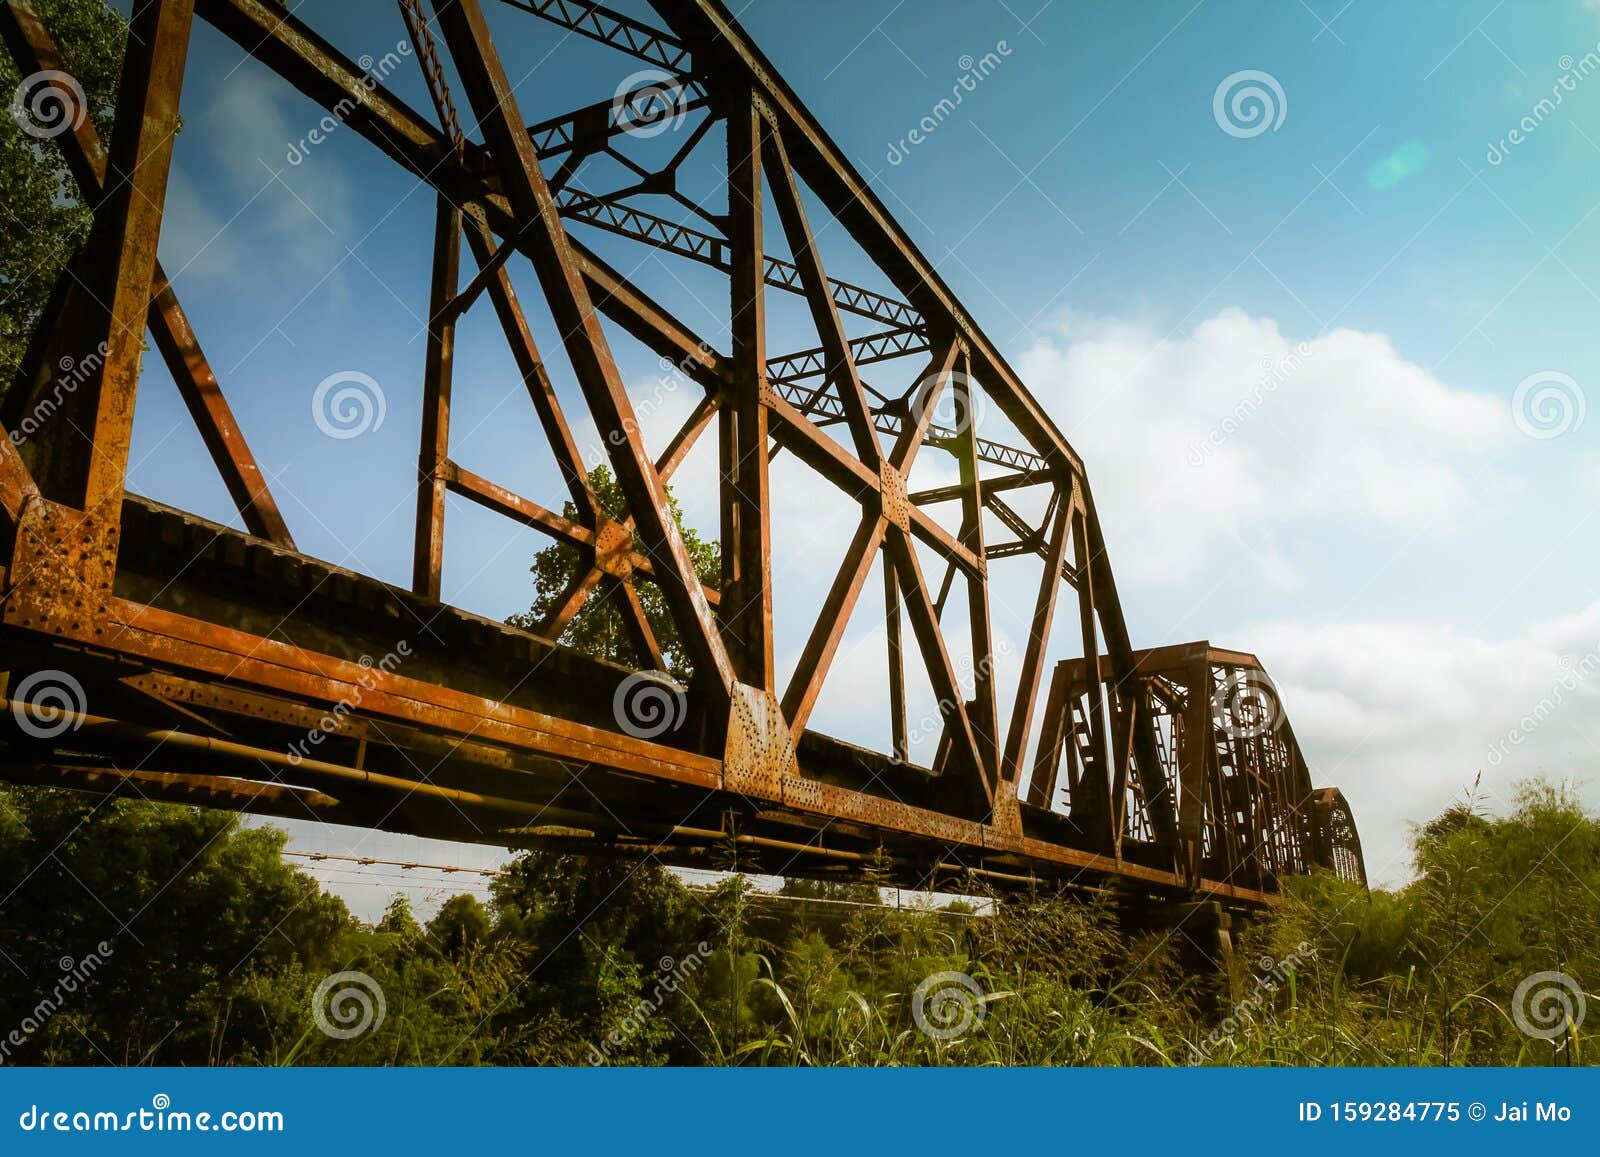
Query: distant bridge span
146	651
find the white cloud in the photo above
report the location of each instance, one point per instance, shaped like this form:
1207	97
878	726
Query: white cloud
1193	442
228	211
1200	444
194	242
1588	470
1402	717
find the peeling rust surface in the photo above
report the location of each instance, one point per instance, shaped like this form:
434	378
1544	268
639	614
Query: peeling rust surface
758	757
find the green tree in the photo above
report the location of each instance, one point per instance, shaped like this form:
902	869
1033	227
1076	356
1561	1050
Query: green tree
814	981
401	997
180	910
46	222
823	906
598	628
461	925
603	937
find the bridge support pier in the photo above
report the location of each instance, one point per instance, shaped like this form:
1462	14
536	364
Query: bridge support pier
1202	932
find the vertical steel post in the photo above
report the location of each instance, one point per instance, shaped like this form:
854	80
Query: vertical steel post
746	609
432	486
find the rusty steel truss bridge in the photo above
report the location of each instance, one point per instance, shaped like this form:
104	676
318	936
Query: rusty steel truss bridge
146	651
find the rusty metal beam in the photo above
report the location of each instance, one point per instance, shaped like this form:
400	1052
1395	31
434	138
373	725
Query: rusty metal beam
613	28
488	89
986	724
941	671
16	484
35	52
817	655
824	311
873	347
428	548
1039	633
850	198
746	611
89	454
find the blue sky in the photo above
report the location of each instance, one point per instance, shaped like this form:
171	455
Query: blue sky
1290	358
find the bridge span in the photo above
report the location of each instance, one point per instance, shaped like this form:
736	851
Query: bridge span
148	652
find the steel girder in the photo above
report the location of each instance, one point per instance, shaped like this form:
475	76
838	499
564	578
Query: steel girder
1247	810
203	658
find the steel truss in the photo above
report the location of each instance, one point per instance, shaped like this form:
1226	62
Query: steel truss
206	655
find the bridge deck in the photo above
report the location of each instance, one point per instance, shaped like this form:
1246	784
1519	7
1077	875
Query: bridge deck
479	732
